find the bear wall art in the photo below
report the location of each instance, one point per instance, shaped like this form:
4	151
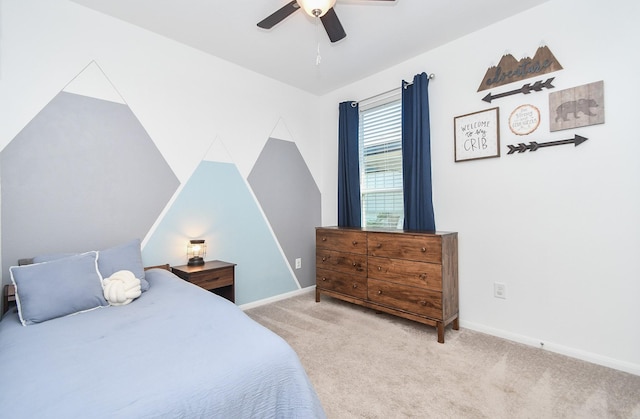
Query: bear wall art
577	107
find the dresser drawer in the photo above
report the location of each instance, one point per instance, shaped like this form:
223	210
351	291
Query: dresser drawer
213	279
408	272
350	263
342	240
424	248
343	283
414	300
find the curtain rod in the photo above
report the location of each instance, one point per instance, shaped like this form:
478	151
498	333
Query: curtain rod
355	102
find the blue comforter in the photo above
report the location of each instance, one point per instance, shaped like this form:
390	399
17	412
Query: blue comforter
176	352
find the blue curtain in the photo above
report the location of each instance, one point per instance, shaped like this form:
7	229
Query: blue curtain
416	155
348	166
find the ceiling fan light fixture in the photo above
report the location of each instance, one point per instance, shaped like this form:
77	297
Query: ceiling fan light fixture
316	8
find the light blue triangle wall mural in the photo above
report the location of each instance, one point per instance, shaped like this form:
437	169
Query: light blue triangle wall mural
216	205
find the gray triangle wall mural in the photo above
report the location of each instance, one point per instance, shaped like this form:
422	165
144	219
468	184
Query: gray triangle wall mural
290	199
72	179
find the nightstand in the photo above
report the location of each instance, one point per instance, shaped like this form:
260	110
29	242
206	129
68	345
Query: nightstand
215	276
8	296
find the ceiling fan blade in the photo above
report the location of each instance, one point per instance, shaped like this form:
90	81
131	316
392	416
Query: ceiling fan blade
333	26
279	15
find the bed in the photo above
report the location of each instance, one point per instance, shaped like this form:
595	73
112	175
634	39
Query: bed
176	351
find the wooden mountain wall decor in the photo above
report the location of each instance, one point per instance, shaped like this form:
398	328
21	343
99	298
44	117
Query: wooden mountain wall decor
510	70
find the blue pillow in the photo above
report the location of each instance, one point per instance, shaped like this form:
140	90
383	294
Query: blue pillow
125	257
48	290
51	257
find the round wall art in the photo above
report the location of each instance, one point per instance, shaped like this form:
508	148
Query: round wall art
524	119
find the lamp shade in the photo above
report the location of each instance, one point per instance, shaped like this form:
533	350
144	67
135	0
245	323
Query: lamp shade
311	6
196	251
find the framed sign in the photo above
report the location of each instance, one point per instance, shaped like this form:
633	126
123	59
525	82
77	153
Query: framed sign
577	107
477	135
524	120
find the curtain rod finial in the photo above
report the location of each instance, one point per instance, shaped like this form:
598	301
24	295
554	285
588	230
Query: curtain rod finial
432	76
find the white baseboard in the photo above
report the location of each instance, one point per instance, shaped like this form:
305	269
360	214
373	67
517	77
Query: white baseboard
560	349
526	340
277	298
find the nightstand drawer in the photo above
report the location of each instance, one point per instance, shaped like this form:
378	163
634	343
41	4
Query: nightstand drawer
213	279
215	276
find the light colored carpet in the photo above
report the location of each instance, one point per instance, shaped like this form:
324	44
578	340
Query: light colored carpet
365	364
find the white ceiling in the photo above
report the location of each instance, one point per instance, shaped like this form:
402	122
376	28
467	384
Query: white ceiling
379	34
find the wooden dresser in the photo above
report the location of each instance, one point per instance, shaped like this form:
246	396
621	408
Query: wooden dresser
410	274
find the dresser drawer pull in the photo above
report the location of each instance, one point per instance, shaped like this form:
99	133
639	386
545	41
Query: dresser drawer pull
424	249
324	239
379	245
355	285
379	268
423	276
354	242
379	292
324	279
423	303
355	264
324	259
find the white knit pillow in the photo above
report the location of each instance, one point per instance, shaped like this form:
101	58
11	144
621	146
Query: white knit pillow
121	288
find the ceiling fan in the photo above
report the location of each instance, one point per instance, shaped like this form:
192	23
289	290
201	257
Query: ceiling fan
322	9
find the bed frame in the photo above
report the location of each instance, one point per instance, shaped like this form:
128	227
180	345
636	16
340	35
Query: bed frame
9	291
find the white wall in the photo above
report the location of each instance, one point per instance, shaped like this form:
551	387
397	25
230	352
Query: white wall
192	104
184	98
560	227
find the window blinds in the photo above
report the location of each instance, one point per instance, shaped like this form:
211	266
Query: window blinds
380	137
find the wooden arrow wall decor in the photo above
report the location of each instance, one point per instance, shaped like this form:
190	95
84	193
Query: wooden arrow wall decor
526	89
533	146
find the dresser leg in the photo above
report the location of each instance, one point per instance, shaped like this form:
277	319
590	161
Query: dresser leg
456	324
440	327
317	295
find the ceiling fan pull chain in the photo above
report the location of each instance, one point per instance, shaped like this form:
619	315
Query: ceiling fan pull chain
318	57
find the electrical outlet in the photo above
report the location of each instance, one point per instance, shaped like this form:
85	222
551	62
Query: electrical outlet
500	290
298	263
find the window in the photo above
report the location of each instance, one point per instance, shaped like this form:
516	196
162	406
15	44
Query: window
380	138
